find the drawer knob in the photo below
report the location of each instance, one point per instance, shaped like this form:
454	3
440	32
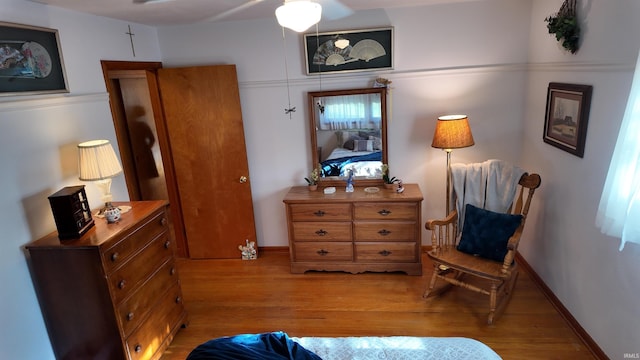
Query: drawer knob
384	212
322	252
319	213
384	232
167	244
321	232
130	316
178	299
385	253
172	271
121	284
163	221
115	256
138	348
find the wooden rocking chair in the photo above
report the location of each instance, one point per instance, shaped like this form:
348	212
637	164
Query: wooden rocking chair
451	264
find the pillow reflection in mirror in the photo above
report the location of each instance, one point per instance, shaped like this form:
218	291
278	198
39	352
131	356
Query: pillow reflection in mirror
363	145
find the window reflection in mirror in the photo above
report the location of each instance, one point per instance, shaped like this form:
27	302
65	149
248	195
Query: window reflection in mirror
349	133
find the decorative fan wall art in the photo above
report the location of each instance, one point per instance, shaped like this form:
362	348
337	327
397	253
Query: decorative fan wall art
356	50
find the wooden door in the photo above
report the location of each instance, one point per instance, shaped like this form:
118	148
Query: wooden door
203	120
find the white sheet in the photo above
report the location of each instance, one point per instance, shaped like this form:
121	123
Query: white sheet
397	348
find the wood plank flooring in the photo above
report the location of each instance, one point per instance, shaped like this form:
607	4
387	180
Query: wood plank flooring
227	297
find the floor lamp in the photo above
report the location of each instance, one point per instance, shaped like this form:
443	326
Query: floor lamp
452	132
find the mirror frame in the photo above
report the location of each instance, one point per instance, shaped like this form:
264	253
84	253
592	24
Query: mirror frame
315	161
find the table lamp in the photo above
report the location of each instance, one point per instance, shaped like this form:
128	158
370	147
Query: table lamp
97	162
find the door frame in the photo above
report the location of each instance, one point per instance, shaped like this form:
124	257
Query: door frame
150	68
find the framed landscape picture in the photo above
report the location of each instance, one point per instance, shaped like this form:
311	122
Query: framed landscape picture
352	50
30	60
567	116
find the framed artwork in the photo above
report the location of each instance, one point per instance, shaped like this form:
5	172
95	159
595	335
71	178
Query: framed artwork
567	115
353	50
30	60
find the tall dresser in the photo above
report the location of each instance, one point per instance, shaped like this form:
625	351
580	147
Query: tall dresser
113	293
355	232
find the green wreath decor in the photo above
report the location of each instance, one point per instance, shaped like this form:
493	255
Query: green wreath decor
565	26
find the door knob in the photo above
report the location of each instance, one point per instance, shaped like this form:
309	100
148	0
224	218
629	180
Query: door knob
243	179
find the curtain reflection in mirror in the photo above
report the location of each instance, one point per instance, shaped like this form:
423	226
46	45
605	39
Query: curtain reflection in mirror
361	111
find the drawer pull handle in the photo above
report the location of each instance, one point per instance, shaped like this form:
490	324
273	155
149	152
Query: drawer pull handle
163	221
385	253
114	256
384	232
384	212
121	284
138	348
172	271
130	316
319	213
178	299
167	244
321	232
322	252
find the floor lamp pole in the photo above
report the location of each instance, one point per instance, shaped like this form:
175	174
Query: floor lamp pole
448	181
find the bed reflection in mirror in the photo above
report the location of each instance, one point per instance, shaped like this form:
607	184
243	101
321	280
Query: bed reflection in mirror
349	132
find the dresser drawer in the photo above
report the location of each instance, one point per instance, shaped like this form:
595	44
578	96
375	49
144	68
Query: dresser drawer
322	231
387	211
386	252
324	251
135	308
385	231
147	339
127	278
320	212
122	251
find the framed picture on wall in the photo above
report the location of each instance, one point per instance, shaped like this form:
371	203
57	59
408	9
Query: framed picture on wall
352	50
567	115
30	60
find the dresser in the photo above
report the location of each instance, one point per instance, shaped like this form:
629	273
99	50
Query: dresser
355	232
113	293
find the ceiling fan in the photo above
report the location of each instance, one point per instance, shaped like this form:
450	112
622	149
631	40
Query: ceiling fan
331	9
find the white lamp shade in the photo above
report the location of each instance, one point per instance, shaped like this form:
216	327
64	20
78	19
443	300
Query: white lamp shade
298	15
97	161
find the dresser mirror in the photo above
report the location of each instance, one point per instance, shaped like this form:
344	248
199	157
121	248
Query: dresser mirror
349	133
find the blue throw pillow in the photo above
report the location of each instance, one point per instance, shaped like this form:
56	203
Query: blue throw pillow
486	233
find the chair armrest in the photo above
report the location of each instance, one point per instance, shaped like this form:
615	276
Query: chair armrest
443	231
450	219
512	248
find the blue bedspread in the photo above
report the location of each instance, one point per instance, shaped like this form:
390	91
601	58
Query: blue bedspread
268	346
335	167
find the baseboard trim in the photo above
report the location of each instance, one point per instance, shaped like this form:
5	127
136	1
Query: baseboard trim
273	249
566	315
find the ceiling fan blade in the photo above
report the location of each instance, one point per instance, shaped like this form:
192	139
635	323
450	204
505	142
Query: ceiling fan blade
333	9
234	10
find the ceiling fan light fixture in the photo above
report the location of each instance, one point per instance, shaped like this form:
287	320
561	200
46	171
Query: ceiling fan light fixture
298	15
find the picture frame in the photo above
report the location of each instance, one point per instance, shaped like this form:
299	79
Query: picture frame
349	51
567	116
30	61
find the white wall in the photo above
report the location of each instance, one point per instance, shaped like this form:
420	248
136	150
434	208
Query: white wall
597	283
459	58
38	138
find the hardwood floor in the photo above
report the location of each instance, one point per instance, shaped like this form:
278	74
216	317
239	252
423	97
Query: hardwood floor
227	297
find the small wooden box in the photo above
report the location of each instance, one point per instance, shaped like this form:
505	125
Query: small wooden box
71	212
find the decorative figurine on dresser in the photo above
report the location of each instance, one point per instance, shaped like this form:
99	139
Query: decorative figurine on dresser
114	291
355	232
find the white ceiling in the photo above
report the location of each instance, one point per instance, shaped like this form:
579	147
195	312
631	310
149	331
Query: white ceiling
175	12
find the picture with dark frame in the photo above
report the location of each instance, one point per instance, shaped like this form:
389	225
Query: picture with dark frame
567	116
30	60
353	50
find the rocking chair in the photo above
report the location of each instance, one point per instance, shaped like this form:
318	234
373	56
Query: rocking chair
487	244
